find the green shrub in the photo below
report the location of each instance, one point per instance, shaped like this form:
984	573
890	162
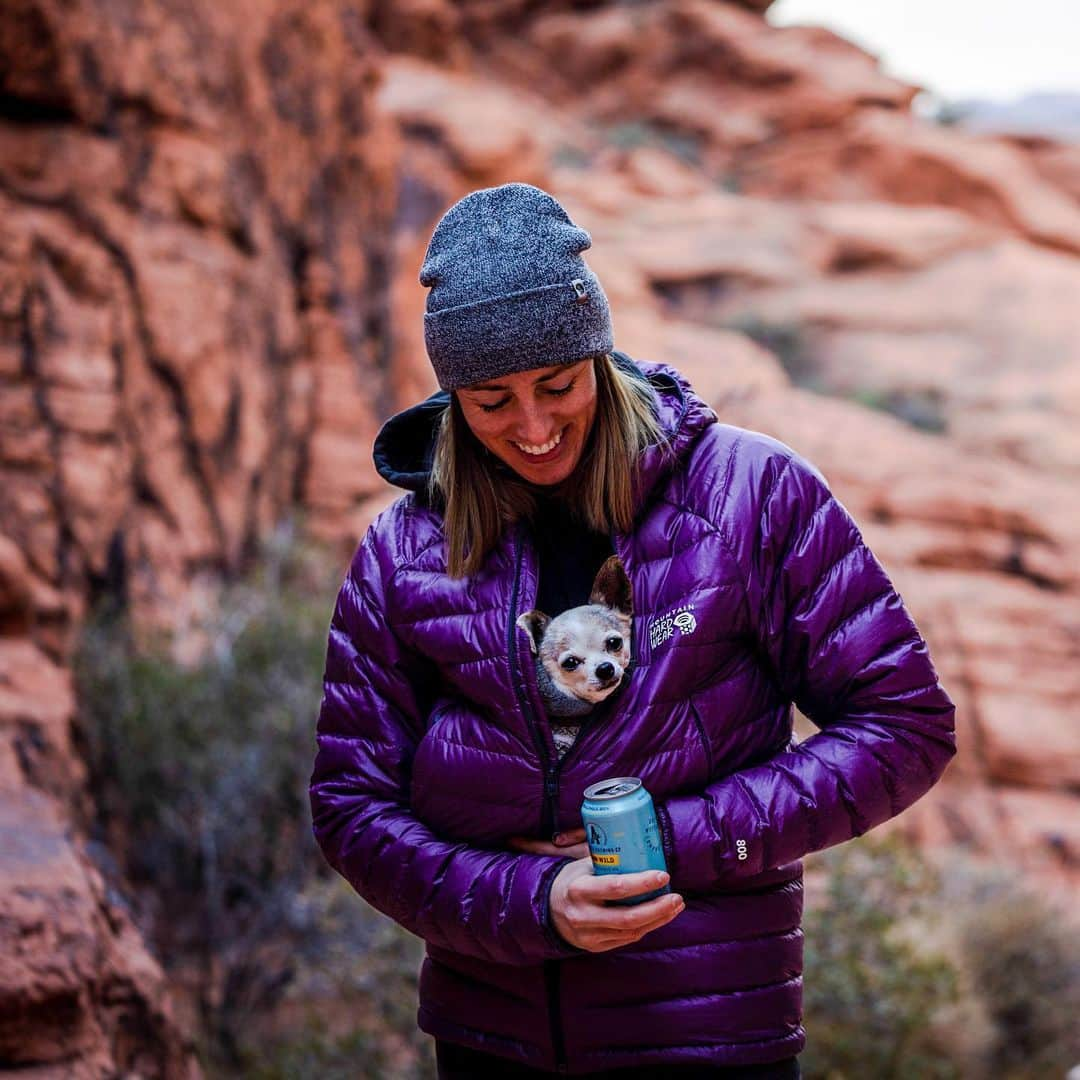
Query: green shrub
632	134
922	409
871	996
917	972
950	113
1021	953
199	773
316	1052
788	342
791	343
352	1011
569	156
729	181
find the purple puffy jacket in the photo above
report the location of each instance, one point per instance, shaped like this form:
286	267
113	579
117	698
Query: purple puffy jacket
433	748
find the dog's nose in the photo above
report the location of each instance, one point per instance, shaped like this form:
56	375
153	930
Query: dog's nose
605	670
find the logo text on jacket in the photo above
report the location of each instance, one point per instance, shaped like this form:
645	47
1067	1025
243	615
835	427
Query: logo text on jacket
662	627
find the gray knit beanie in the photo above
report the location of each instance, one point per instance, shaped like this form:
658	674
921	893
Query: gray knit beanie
509	289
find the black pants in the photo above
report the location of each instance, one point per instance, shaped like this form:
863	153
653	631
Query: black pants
461	1063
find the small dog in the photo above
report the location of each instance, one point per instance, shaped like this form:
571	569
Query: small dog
582	654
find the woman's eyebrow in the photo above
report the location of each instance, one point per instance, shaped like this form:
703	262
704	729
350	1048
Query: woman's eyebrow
543	378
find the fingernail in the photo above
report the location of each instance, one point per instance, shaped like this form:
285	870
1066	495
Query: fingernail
662	878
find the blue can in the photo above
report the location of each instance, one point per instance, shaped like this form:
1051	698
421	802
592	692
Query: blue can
621	830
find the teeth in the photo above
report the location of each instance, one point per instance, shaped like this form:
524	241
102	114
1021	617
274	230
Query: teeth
537	450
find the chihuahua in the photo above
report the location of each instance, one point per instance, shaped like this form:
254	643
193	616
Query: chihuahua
582	654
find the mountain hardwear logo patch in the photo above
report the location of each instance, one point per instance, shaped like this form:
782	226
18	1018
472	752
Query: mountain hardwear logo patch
664	626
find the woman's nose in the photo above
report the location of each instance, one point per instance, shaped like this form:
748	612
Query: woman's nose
534	424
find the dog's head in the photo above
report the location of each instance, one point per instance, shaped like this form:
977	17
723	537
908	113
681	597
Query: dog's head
585	650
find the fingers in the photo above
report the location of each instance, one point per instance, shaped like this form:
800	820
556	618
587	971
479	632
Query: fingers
623	926
668	907
639	919
602	887
583	916
542	847
570	842
533	847
568	837
575	851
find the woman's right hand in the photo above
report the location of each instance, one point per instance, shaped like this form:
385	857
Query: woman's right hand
582	918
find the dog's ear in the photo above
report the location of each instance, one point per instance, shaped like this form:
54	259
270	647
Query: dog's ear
535	623
612	587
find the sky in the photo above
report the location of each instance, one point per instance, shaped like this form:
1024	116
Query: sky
997	49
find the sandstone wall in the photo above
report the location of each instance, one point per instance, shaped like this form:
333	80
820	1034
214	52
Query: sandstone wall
213	216
196	204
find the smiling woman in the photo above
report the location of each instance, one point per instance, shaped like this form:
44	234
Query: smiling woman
443	789
493	461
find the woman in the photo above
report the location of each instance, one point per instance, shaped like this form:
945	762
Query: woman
437	791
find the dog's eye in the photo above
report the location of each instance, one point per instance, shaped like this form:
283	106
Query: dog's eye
613	644
570	663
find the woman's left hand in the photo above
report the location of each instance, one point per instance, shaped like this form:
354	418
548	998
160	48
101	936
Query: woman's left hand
570	843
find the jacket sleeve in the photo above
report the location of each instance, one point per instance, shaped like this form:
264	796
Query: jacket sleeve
839	642
483	903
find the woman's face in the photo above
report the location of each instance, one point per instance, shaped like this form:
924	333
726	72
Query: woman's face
536	421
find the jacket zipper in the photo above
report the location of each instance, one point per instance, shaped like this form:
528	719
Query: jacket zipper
605	707
550	808
551	780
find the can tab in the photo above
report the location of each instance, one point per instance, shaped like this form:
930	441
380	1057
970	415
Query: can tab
580	291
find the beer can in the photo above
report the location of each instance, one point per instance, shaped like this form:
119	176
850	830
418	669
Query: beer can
621	831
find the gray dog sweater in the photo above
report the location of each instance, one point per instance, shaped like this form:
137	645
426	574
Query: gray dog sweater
509	290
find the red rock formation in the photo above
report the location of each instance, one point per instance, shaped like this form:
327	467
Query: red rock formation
80	996
195	286
194	298
212	222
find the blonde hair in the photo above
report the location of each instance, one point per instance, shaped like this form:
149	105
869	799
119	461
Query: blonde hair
481	495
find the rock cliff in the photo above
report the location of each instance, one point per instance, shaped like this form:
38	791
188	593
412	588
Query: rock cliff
213	217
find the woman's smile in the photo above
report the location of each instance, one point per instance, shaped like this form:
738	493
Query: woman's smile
542	453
